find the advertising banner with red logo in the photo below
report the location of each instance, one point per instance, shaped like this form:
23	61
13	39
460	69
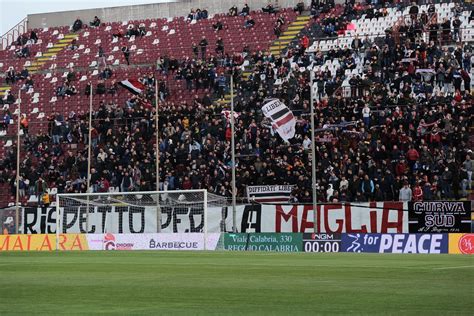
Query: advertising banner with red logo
461	244
163	241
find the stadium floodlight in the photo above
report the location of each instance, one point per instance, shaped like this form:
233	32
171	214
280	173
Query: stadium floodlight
182	211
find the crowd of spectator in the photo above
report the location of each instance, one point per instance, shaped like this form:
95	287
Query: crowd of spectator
402	134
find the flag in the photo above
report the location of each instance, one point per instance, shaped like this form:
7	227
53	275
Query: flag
133	85
283	120
228	113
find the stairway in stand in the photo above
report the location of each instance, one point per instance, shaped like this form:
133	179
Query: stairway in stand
52	52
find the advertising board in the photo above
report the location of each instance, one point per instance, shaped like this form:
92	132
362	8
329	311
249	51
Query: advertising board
461	244
278	242
321	242
43	242
163	241
395	243
440	217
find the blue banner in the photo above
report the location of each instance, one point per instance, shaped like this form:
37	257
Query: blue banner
395	243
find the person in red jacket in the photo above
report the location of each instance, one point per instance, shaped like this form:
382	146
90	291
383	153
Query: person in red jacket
304	42
412	156
417	192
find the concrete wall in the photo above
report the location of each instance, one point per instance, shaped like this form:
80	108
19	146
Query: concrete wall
147	11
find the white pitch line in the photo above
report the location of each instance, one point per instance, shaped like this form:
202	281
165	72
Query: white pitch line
458	267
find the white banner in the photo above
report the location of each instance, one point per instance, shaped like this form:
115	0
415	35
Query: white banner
155	241
375	217
122	220
380	217
281	116
269	193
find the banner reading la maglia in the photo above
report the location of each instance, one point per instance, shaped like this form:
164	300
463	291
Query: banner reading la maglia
380	217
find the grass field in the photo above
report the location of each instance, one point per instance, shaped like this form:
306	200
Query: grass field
161	283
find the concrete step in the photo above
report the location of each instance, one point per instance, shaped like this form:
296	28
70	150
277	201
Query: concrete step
281	42
300	23
72	36
295	32
5	88
55	49
61	45
303	18
286	37
65	40
294	28
49	54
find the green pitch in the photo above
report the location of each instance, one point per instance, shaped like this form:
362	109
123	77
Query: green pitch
189	283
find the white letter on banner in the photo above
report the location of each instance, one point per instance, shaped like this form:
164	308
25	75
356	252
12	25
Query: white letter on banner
435	245
385	243
410	246
398	243
421	242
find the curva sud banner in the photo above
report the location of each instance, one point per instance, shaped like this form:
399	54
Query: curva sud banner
395	243
439	217
380	217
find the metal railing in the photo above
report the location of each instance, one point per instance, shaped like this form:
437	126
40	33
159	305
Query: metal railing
11	35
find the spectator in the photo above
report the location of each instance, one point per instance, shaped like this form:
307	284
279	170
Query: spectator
299	7
33	36
245	10
203	45
220	46
249	22
77	25
468	166
95	22
233	11
269	9
126	54
405	193
100	89
217	26
41	188
456	29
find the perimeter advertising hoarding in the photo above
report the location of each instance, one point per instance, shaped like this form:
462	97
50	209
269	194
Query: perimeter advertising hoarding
163	241
321	242
461	244
395	243
277	242
440	217
43	242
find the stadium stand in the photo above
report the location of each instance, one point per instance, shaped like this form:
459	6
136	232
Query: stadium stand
393	104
